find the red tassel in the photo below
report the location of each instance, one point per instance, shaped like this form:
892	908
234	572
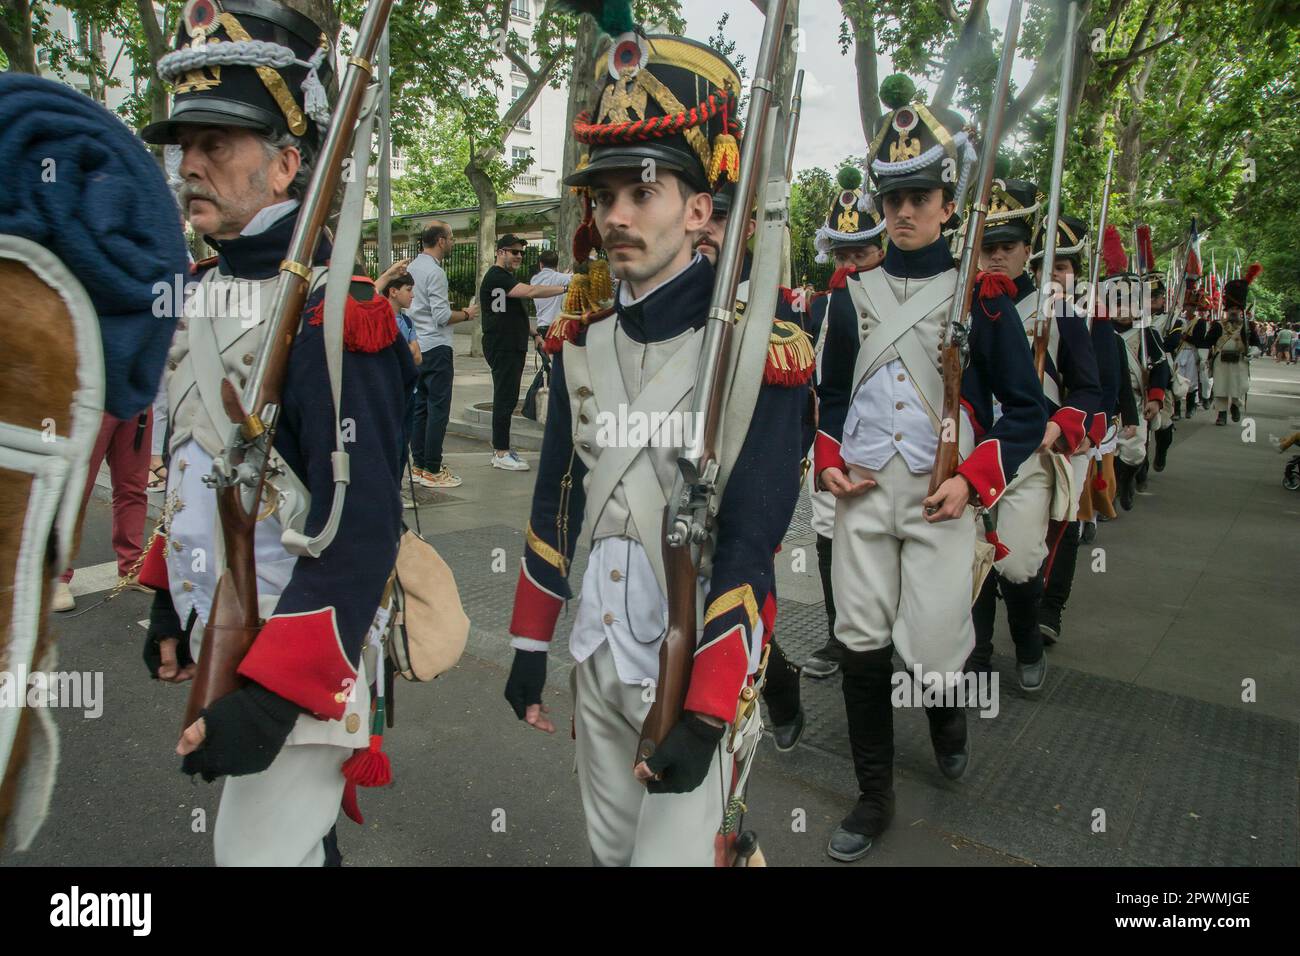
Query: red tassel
840	278
367	326
370	767
788	377
1253	272
994	284
1099	483
1000	550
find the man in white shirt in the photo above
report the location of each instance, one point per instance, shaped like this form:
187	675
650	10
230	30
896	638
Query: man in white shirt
547	274
433	317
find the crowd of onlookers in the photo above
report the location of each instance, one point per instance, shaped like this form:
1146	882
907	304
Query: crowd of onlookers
1281	340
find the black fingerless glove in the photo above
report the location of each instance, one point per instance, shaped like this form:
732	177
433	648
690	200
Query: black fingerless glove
527	678
683	759
244	733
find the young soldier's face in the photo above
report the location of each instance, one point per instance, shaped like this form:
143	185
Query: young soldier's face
1063	273
710	240
647	227
229	174
1007	258
865	258
914	218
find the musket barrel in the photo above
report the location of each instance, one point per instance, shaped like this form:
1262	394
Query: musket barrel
1094	273
713	352
796	107
1045	290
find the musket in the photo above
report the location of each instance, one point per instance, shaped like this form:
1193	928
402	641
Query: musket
796	107
954	343
1042	331
240	472
688	521
1094	269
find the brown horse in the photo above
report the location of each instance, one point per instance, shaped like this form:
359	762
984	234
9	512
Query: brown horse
51	400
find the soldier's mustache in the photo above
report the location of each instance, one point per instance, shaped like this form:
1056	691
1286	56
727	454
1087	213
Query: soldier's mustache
189	192
623	239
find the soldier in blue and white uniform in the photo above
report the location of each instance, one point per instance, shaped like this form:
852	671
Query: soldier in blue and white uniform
245	138
644	358
1046	486
853	237
903	568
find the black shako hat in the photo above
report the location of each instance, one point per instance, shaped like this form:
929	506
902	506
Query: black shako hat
664	99
852	220
249	63
1014	205
915	146
1071	234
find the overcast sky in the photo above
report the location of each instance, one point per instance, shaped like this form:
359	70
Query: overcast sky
829	128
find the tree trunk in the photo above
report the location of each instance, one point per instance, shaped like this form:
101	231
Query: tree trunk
582	95
864	62
973	34
486	193
17	44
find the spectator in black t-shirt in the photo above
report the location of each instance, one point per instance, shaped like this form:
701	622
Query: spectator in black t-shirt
506	334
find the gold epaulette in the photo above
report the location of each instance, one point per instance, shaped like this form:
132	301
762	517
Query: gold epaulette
790	359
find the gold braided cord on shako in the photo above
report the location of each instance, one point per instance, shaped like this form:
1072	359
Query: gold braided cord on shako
271	79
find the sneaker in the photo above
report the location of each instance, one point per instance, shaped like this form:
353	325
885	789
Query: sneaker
422	477
63	600
407	501
443	479
510	462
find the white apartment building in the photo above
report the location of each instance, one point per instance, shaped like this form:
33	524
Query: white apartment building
542	131
118	60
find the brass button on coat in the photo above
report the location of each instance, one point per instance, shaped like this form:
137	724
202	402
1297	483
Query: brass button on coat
353	723
615	575
608	618
248	358
902	377
340	697
898	436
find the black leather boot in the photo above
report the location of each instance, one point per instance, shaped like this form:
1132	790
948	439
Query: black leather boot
826	661
1022	618
1221	418
781	694
948	735
1056	591
1236	412
1191	404
984	615
870	711
1140	478
1164	438
1126	484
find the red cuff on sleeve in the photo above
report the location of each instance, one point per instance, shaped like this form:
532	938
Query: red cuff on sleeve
153	570
1155	394
300	657
1097	430
983	469
1071	421
718	675
536	610
826	454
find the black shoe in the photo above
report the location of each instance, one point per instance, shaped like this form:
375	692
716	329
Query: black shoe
948	735
1222	419
1049	624
824	662
1236	413
1032	676
1191	405
787	735
1089	533
1164	438
1177	416
1143	473
1205	404
847	846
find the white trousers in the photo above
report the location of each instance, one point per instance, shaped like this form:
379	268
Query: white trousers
1021	516
627	825
280	816
897	578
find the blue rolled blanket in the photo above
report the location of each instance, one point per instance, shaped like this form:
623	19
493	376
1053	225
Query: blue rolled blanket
77	181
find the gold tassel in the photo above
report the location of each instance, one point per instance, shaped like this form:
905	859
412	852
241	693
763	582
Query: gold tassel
725	158
602	288
575	299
